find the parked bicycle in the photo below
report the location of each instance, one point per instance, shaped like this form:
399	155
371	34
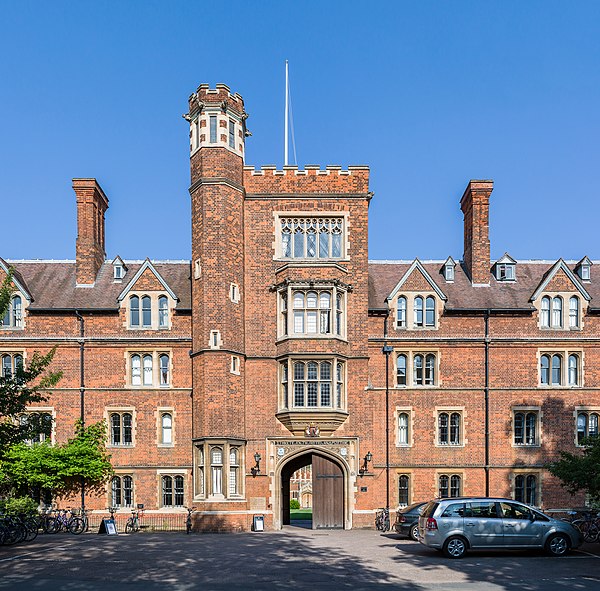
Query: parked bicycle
188	521
66	520
589	526
382	519
133	523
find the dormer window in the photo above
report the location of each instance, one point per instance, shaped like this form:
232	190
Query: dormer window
118	272
505	268
584	269
119	269
448	270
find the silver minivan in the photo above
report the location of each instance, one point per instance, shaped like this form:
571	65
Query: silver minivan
459	524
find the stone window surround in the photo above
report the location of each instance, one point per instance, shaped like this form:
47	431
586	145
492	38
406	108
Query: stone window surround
160	411
538	425
121	409
410	310
24	305
12	351
409	473
463	421
154	296
564	353
225	444
410	370
277	247
121	473
582	408
200	126
411	415
44	409
449	472
159	496
525	472
156	353
566	296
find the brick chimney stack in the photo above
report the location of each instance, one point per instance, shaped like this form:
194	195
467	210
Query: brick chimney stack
92	203
475	205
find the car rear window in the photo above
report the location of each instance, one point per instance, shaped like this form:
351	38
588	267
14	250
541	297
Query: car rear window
429	509
454	510
411	508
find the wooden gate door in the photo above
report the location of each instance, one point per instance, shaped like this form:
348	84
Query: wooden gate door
328	494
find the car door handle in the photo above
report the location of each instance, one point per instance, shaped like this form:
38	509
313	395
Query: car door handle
509	524
470	523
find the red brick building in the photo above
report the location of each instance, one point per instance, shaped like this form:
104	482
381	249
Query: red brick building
267	353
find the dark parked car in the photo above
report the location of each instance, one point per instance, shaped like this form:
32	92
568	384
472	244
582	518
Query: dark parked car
407	520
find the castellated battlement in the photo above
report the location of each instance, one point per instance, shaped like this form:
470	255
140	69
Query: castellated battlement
310	180
220	95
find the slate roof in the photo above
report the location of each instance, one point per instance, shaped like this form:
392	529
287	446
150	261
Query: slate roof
384	275
52	284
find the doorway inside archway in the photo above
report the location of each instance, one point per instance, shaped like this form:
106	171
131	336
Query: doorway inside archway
326	487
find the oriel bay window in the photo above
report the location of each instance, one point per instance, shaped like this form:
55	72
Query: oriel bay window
312	383
312	313
219	468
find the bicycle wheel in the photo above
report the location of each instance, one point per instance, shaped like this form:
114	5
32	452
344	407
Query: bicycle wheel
592	533
386	523
76	525
50	525
129	527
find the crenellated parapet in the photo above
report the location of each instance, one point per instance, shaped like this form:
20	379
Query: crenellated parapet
312	180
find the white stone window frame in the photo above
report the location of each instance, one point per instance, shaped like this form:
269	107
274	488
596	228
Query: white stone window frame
565	354
156	369
277	245
409	411
154	310
40	410
235	367
121	473
197	269
526	472
292	288
410	297
538	426
159	413
587	409
225	445
121	410
461	410
23	320
214	341
234	293
410	474
12	352
334	360
565	312
197	130
450	472
172	472
410	355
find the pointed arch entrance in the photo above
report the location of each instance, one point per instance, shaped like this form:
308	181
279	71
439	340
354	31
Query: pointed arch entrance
328	489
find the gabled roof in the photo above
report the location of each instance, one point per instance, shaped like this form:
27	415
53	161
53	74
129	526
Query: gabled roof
119	261
146	265
17	279
584	261
506	259
558	266
449	261
417	265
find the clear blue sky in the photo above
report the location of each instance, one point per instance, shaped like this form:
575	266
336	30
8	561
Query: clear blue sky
428	94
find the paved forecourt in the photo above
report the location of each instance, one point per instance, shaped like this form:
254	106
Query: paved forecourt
271	561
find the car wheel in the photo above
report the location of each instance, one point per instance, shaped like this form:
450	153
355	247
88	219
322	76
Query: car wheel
557	545
414	533
455	547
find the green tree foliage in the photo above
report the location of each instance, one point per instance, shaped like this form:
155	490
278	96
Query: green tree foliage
59	469
294	504
24	387
580	472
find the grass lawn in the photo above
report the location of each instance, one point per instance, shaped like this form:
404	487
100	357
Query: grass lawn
302	514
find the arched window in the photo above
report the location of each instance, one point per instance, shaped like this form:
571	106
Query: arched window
545	370
339	311
418	370
403	429
556	370
127	491
6	318
284	313
324	312
530	428
519	428
455	428
121	491
178	481
430	311
443	420
299	313
401	370
136	370
234	476
147	361
403	490
455	485
166	421
574	312
7	363
216	465
325	383
573	370
116	492
164	369
545	312
127	428
311	312
531	490
557	312
167	491
163	312
418	311
401	312
430	369
587	426
146	312
520	488
17	317
444	489
134	311
115	429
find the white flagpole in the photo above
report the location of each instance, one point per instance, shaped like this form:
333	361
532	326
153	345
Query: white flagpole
285	147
